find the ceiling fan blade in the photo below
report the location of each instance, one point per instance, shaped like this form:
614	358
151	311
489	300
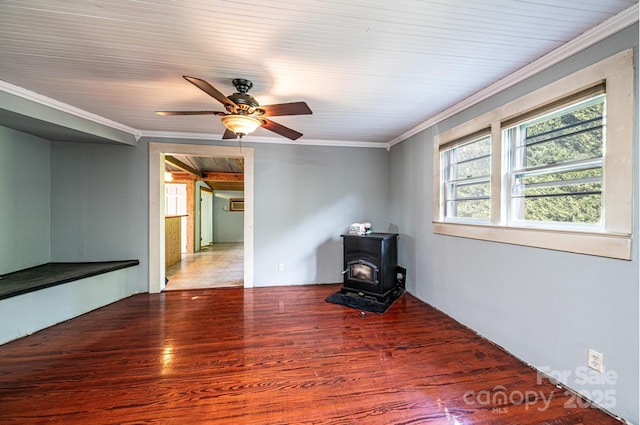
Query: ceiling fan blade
228	134
280	129
293	108
210	90
168	113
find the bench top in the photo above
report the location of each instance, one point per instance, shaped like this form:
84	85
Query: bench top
52	274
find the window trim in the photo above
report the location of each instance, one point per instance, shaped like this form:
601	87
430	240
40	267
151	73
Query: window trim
614	241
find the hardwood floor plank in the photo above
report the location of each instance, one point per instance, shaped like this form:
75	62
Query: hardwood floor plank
270	356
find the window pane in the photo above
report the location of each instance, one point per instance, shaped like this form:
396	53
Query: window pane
469	200
474	208
473	190
466	186
478	167
562	197
481	147
563	151
571	135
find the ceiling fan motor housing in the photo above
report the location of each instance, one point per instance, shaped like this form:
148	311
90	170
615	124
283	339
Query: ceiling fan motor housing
242	85
241	98
244	101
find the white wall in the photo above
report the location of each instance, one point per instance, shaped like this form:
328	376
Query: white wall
25	199
546	307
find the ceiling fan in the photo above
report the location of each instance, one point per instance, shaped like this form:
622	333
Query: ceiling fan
243	113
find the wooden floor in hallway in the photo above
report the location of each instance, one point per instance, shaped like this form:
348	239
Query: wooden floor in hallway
219	266
276	355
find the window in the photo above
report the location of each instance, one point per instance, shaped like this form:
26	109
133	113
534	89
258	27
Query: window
466	181
236	204
556	167
551	169
175	199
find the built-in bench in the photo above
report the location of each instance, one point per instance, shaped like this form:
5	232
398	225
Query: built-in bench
52	274
35	298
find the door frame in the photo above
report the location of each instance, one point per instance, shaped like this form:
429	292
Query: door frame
157	151
200	193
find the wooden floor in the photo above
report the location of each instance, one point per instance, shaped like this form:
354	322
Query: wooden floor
271	356
219	266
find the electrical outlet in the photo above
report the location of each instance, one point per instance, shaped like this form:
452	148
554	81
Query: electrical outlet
280	267
596	360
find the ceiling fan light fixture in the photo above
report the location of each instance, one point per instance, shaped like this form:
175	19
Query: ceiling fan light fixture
243	113
240	125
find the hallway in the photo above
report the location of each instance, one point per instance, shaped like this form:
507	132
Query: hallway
219	266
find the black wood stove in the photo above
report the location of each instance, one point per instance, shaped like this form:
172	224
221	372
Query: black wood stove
371	265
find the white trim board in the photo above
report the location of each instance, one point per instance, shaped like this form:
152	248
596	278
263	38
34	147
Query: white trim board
259	139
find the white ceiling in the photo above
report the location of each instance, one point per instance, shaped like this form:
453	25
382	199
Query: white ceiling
370	70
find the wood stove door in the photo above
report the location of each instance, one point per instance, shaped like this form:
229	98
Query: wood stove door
363	271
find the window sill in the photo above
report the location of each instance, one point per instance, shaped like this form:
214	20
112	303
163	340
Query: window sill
610	245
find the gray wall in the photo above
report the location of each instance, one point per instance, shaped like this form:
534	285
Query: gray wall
25	211
55	206
99	204
228	226
304	198
545	307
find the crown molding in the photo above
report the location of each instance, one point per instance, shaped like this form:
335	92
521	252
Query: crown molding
258	139
63	107
138	134
587	39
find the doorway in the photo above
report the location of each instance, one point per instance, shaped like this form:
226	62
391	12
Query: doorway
206	218
157	152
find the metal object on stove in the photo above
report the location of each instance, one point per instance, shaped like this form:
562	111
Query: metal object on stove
363	228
